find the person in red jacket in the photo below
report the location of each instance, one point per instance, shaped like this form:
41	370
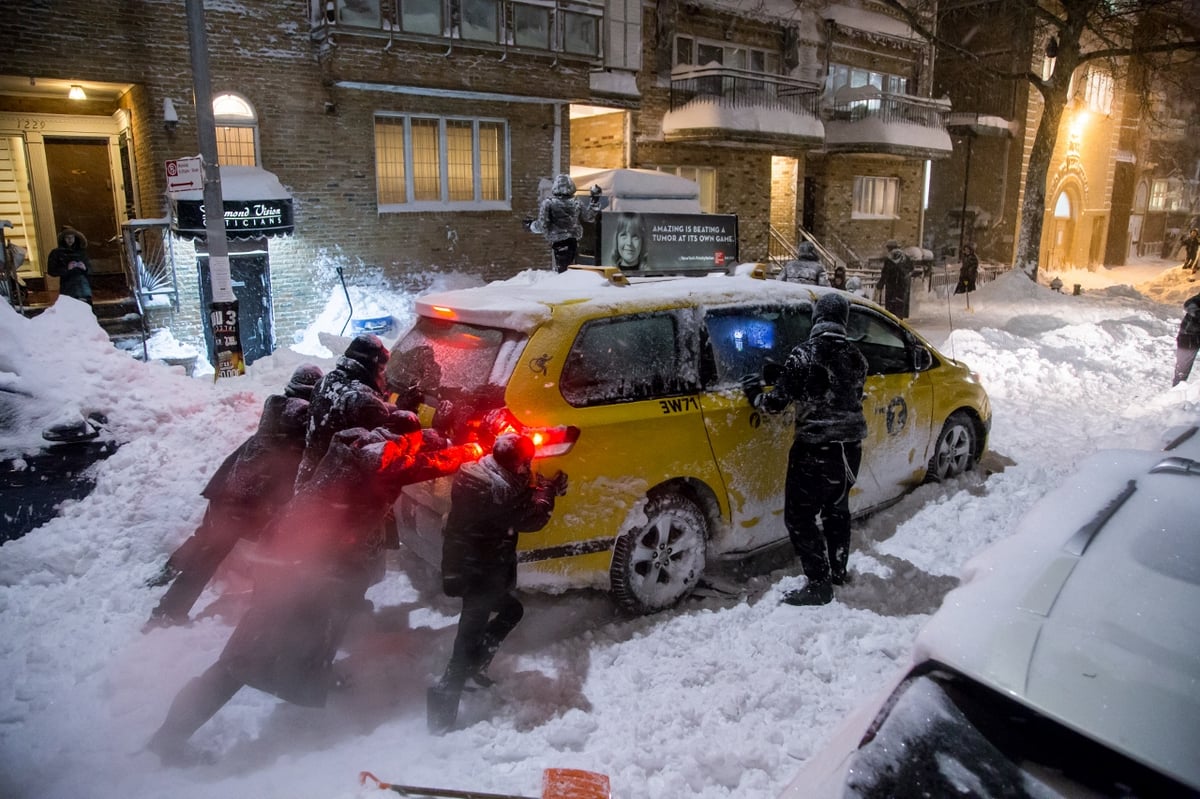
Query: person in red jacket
313	577
246	491
490	502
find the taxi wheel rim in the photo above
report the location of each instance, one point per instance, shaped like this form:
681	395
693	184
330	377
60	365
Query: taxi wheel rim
658	563
955	448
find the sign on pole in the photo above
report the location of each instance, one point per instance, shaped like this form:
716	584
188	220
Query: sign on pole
184	174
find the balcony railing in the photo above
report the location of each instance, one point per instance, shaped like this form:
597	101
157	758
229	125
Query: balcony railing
891	108
737	88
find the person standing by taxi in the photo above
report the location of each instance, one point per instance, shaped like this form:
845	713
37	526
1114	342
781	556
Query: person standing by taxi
824	377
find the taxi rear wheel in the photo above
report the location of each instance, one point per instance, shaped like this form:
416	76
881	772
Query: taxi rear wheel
955	450
660	560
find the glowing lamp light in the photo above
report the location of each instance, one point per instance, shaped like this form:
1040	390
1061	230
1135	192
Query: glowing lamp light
77	92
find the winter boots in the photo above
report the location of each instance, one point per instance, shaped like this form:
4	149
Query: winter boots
442	709
811	594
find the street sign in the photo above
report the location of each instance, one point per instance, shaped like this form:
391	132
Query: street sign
184	174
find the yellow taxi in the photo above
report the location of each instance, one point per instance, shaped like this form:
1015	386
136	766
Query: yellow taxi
632	388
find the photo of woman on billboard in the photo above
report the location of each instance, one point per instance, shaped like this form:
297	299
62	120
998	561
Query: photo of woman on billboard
628	248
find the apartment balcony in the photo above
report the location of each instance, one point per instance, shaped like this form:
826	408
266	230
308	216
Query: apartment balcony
866	120
710	104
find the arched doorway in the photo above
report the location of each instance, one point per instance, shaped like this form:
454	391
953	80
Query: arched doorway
1061	234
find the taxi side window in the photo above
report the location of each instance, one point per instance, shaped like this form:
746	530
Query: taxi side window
880	341
625	359
742	339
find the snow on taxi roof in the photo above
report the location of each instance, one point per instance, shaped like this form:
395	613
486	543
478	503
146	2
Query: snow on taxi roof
526	300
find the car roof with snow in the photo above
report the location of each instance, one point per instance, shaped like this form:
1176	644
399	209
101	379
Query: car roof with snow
1087	613
527	300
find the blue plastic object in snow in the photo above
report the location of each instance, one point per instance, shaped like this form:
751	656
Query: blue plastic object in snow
379	325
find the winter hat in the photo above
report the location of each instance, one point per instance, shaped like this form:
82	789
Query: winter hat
367	349
512	451
302	381
563	186
832	307
807	251
891	244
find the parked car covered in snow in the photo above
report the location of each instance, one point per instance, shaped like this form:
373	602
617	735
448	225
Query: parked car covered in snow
1066	664
632	388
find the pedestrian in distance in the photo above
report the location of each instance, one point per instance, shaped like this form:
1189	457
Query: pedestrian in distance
629	243
1191	247
838	281
895	280
312	579
1188	340
561	217
69	263
806	267
352	394
491	501
824	377
244	494
969	271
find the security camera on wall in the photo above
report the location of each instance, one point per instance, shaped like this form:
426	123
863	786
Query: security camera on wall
170	115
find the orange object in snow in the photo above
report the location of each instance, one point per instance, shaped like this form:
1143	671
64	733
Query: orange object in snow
557	783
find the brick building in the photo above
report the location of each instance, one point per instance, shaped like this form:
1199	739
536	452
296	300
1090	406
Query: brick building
414	136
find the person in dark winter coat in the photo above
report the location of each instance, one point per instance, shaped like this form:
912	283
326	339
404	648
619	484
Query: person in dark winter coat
1188	339
824	377
350	395
969	271
838	281
70	264
244	494
490	502
895	280
807	268
1191	247
560	219
312	578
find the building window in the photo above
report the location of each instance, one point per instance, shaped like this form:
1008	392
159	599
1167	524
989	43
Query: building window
1158	195
580	33
876	198
843	76
362	13
623	26
1098	91
531	26
431	163
701	53
480	20
237	130
421	16
705	177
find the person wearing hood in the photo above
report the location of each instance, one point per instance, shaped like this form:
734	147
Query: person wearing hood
969	271
352	394
806	268
491	501
312	577
895	279
70	264
560	219
244	494
824	377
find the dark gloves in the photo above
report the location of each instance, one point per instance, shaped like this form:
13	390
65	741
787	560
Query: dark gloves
556	485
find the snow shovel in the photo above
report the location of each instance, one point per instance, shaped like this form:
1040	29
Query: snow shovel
557	783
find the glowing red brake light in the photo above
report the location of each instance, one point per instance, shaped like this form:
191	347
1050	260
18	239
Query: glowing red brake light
547	441
443	311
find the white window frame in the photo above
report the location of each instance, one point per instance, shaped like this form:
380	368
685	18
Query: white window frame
623	34
1098	91
704	176
232	110
445	203
841	75
876	197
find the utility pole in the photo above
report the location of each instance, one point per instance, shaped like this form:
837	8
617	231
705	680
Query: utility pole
223	312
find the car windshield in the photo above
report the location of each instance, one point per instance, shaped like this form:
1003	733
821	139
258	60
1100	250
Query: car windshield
944	735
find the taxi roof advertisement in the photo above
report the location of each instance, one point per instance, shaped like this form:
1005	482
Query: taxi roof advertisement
657	243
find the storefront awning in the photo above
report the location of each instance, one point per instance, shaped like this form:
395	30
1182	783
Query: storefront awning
256	204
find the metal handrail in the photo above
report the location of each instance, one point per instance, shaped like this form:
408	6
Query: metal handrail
740	88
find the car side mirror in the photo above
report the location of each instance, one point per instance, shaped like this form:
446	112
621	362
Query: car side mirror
922	359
